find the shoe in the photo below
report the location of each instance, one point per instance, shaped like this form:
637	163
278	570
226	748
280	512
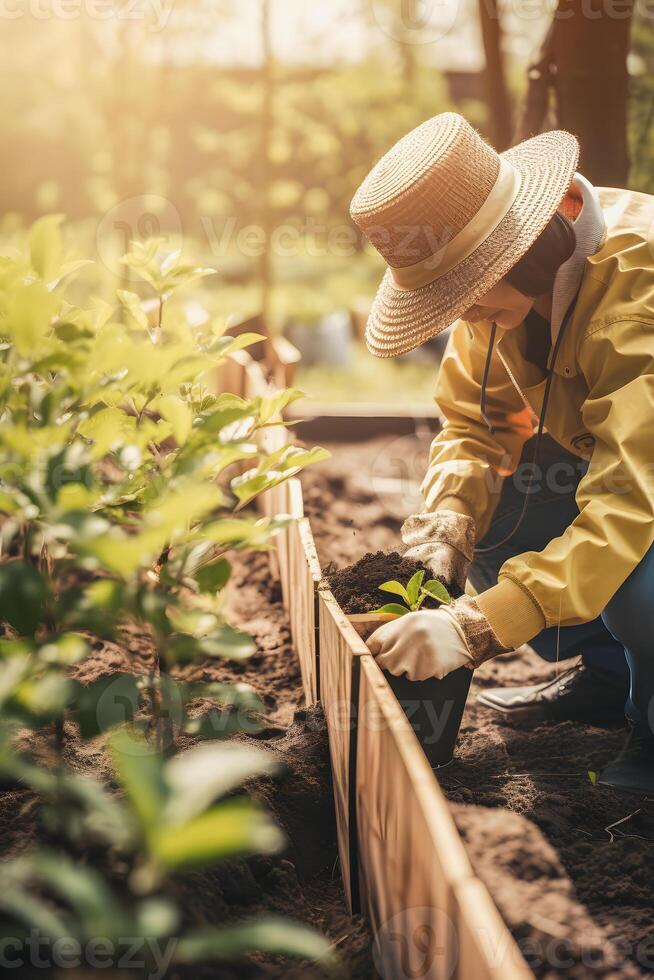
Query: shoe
633	769
580	693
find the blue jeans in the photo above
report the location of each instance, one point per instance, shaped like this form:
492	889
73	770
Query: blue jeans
620	641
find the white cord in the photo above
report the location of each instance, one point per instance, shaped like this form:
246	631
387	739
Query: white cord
558	634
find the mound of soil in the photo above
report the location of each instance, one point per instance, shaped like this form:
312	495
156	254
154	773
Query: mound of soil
356	587
569	864
530	886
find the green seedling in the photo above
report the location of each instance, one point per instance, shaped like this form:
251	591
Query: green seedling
413	594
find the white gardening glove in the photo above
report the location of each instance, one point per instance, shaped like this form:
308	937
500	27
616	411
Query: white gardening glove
443	541
434	642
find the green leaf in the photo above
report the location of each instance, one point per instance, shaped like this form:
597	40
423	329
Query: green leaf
393	607
30	309
413	587
44	698
224	642
397	589
236	533
270	407
272	935
105	703
45	244
224	346
436	589
212	578
65	649
140	772
132	304
592	775
108	428
23	593
200	775
157	918
176	411
35	912
84	889
232	829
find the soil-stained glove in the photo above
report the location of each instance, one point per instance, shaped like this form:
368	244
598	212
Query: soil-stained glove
443	541
434	642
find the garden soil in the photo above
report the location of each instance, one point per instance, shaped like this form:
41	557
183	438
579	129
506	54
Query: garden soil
569	864
304	882
356	587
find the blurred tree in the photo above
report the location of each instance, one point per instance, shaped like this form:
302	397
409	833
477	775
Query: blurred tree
641	107
583	61
497	94
267	123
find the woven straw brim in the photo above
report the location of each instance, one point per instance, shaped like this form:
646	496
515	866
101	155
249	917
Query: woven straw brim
401	320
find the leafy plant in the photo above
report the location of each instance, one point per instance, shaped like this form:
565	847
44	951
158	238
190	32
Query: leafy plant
167	822
118	512
413	594
114	469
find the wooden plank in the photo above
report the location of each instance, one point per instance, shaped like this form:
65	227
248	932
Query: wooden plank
353	423
340	650
486	947
285	357
430	916
410	853
256	382
230	376
304	579
288	497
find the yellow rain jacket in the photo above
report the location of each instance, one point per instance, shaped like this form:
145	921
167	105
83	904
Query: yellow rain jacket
601	408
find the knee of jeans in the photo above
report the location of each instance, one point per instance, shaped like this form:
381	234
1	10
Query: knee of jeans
624	614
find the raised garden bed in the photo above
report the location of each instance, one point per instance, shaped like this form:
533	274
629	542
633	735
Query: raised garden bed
573	885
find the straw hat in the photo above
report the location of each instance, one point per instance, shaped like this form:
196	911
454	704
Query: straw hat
451	216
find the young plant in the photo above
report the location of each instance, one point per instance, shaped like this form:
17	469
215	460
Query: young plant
173	816
116	503
413	594
116	511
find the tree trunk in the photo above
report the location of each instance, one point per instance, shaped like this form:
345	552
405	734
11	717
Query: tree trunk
584	62
497	93
266	122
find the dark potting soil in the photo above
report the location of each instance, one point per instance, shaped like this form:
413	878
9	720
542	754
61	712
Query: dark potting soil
574	884
356	587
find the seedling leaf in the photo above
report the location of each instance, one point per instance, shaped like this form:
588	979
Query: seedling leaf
397	589
437	590
393	607
413	587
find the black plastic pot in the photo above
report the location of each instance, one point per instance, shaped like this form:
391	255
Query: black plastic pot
434	709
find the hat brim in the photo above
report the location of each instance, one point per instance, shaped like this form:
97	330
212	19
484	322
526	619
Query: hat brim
401	320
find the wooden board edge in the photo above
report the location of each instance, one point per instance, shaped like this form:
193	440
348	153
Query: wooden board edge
477	915
328	602
445	836
310	551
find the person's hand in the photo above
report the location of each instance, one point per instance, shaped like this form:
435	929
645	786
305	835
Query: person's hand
434	642
428	643
443	542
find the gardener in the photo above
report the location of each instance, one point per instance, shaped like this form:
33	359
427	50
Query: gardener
551	284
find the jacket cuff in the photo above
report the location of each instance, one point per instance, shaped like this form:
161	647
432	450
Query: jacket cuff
483	643
513	615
